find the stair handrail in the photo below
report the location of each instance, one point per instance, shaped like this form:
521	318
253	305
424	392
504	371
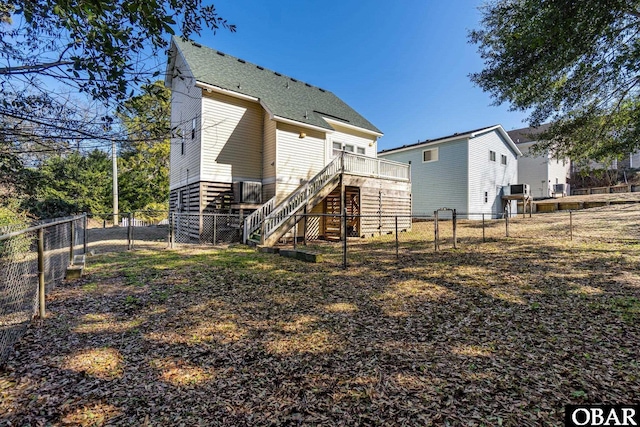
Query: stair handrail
253	221
301	196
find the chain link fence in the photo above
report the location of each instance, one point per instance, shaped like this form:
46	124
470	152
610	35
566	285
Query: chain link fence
386	239
204	228
32	261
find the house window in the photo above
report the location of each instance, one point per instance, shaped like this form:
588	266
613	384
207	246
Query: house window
430	155
350	148
193	129
503	159
492	156
486	196
337	147
360	150
182	145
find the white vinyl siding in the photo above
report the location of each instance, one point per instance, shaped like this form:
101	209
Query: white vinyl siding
355	139
184	158
231	139
298	159
488	176
540	171
438	184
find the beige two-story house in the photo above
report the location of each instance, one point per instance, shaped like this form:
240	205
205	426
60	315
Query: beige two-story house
249	139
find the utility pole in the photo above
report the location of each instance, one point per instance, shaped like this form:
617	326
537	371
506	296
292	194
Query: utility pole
114	160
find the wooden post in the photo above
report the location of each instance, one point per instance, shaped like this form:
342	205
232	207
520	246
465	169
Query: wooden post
455	235
344	242
397	256
295	231
435	229
571	225
41	282
71	241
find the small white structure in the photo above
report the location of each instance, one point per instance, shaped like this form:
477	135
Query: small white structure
546	175
464	171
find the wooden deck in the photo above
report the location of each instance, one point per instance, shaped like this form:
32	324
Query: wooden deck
584	201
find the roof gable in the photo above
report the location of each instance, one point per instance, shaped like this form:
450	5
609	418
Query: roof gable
468	135
281	95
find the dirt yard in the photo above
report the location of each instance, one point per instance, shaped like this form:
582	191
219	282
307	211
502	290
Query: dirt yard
504	332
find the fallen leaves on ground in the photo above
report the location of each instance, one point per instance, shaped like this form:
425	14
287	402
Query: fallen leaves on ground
500	333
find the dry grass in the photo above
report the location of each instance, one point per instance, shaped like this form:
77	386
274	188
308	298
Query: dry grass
505	332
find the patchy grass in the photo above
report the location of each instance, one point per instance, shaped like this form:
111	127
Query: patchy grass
499	333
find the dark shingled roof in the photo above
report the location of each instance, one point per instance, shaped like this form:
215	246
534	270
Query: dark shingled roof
431	141
281	95
520	136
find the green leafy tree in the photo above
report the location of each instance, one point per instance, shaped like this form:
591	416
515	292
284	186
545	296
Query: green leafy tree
144	163
71	183
574	63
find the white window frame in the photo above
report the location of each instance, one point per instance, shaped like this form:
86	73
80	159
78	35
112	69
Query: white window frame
503	159
361	151
492	156
433	156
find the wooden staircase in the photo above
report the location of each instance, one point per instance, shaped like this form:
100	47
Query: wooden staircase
269	223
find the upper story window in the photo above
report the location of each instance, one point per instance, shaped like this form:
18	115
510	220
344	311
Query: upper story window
492	156
339	146
193	129
503	159
430	155
360	150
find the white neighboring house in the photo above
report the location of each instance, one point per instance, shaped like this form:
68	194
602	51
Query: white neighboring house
464	171
541	171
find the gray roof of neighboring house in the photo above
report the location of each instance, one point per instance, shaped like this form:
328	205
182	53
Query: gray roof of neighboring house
520	136
457	135
283	96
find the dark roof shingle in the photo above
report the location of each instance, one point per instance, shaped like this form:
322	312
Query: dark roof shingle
283	96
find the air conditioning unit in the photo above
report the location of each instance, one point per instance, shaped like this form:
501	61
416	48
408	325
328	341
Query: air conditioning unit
560	189
247	192
516	190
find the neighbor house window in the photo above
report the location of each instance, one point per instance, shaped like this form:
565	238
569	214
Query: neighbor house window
182	144
503	159
492	156
430	155
486	196
193	129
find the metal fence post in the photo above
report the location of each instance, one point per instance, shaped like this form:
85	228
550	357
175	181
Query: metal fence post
215	228
455	235
344	241
85	238
41	282
172	223
506	222
483	239
130	231
435	229
397	255
295	231
72	232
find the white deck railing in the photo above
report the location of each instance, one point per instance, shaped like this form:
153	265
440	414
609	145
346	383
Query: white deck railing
356	164
253	222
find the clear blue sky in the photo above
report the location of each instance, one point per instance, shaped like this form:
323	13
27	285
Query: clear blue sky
403	65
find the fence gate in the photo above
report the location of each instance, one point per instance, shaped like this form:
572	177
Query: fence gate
436	226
